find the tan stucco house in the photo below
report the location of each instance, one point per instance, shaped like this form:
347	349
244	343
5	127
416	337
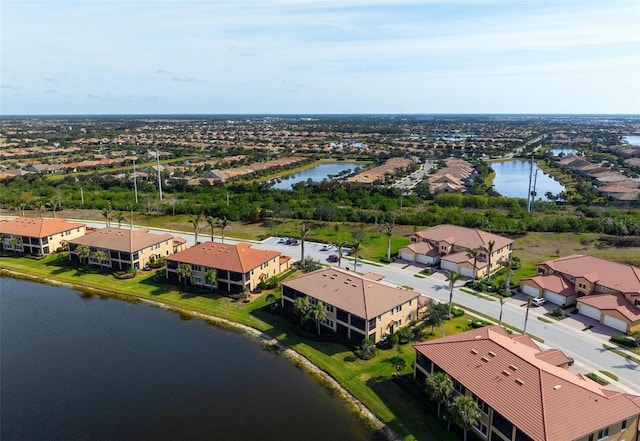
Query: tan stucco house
449	246
37	236
525	393
124	248
601	289
358	306
238	267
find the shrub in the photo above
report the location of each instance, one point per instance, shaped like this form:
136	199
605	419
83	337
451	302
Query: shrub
457	312
367	350
558	312
624	341
427	271
392	340
386	260
405	335
478	324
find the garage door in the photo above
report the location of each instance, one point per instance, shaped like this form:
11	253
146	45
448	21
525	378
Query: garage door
406	256
615	323
467	272
446	265
421	258
530	290
589	311
554	298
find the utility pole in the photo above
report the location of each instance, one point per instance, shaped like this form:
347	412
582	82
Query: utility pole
135	181
529	192
533	192
227	198
82	196
159	177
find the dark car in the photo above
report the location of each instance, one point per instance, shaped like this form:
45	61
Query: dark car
333	258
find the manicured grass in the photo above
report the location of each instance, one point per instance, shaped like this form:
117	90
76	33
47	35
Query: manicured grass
370	381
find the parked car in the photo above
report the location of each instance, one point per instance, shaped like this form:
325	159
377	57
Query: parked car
538	301
333	258
324	248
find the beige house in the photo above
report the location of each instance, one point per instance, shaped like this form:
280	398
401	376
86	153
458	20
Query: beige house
601	289
524	393
450	246
238	267
124	248
37	236
358	306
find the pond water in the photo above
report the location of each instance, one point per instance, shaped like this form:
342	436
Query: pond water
316	174
512	180
632	139
78	368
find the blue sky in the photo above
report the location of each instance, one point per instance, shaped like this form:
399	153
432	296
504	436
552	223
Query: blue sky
312	56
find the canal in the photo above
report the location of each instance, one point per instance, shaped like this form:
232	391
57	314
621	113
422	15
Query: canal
80	367
316	174
512	180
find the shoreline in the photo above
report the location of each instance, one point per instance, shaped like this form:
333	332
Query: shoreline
371	421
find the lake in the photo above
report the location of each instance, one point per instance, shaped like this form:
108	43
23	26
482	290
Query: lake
79	368
316	174
512	180
632	139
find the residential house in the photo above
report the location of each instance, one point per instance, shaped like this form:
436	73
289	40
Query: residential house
358	306
601	289
239	267
38	236
450	246
524	393
123	247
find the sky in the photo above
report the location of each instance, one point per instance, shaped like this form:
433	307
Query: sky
319	57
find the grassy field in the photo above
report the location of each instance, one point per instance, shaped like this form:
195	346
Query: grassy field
372	381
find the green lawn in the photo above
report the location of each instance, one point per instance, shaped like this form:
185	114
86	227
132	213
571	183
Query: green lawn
370	381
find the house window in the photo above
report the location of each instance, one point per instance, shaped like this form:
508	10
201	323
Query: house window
482	428
603	434
591	437
484	407
329	307
196	280
623	427
582	285
603	288
328	323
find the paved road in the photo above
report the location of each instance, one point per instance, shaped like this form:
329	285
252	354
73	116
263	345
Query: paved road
569	334
410	181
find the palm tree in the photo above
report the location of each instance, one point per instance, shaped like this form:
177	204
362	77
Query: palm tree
223	223
388	230
502	300
53	203
490	250
304	232
83	252
210	277
452	278
507	283
474	253
101	257
184	272
302	306
213	222
120	217
439	387
195	221
464	412
340	245
355	249
107	214
317	313
526	315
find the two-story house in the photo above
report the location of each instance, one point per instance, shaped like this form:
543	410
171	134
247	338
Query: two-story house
525	393
38	236
123	248
451	246
601	289
358	306
238	267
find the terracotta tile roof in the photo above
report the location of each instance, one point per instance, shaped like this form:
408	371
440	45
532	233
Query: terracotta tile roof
240	258
121	239
424	248
37	227
553	356
614	275
554	283
350	291
469	238
612	302
519	384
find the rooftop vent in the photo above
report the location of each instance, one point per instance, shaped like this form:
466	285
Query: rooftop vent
513	368
519	381
485	359
506	372
492	354
474	352
557	387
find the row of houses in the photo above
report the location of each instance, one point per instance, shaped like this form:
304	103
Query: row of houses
456	176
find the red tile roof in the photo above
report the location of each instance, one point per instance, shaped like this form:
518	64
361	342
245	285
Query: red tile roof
37	227
469	238
519	384
240	258
121	239
554	283
612	302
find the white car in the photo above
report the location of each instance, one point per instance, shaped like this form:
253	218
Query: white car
538	301
324	248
